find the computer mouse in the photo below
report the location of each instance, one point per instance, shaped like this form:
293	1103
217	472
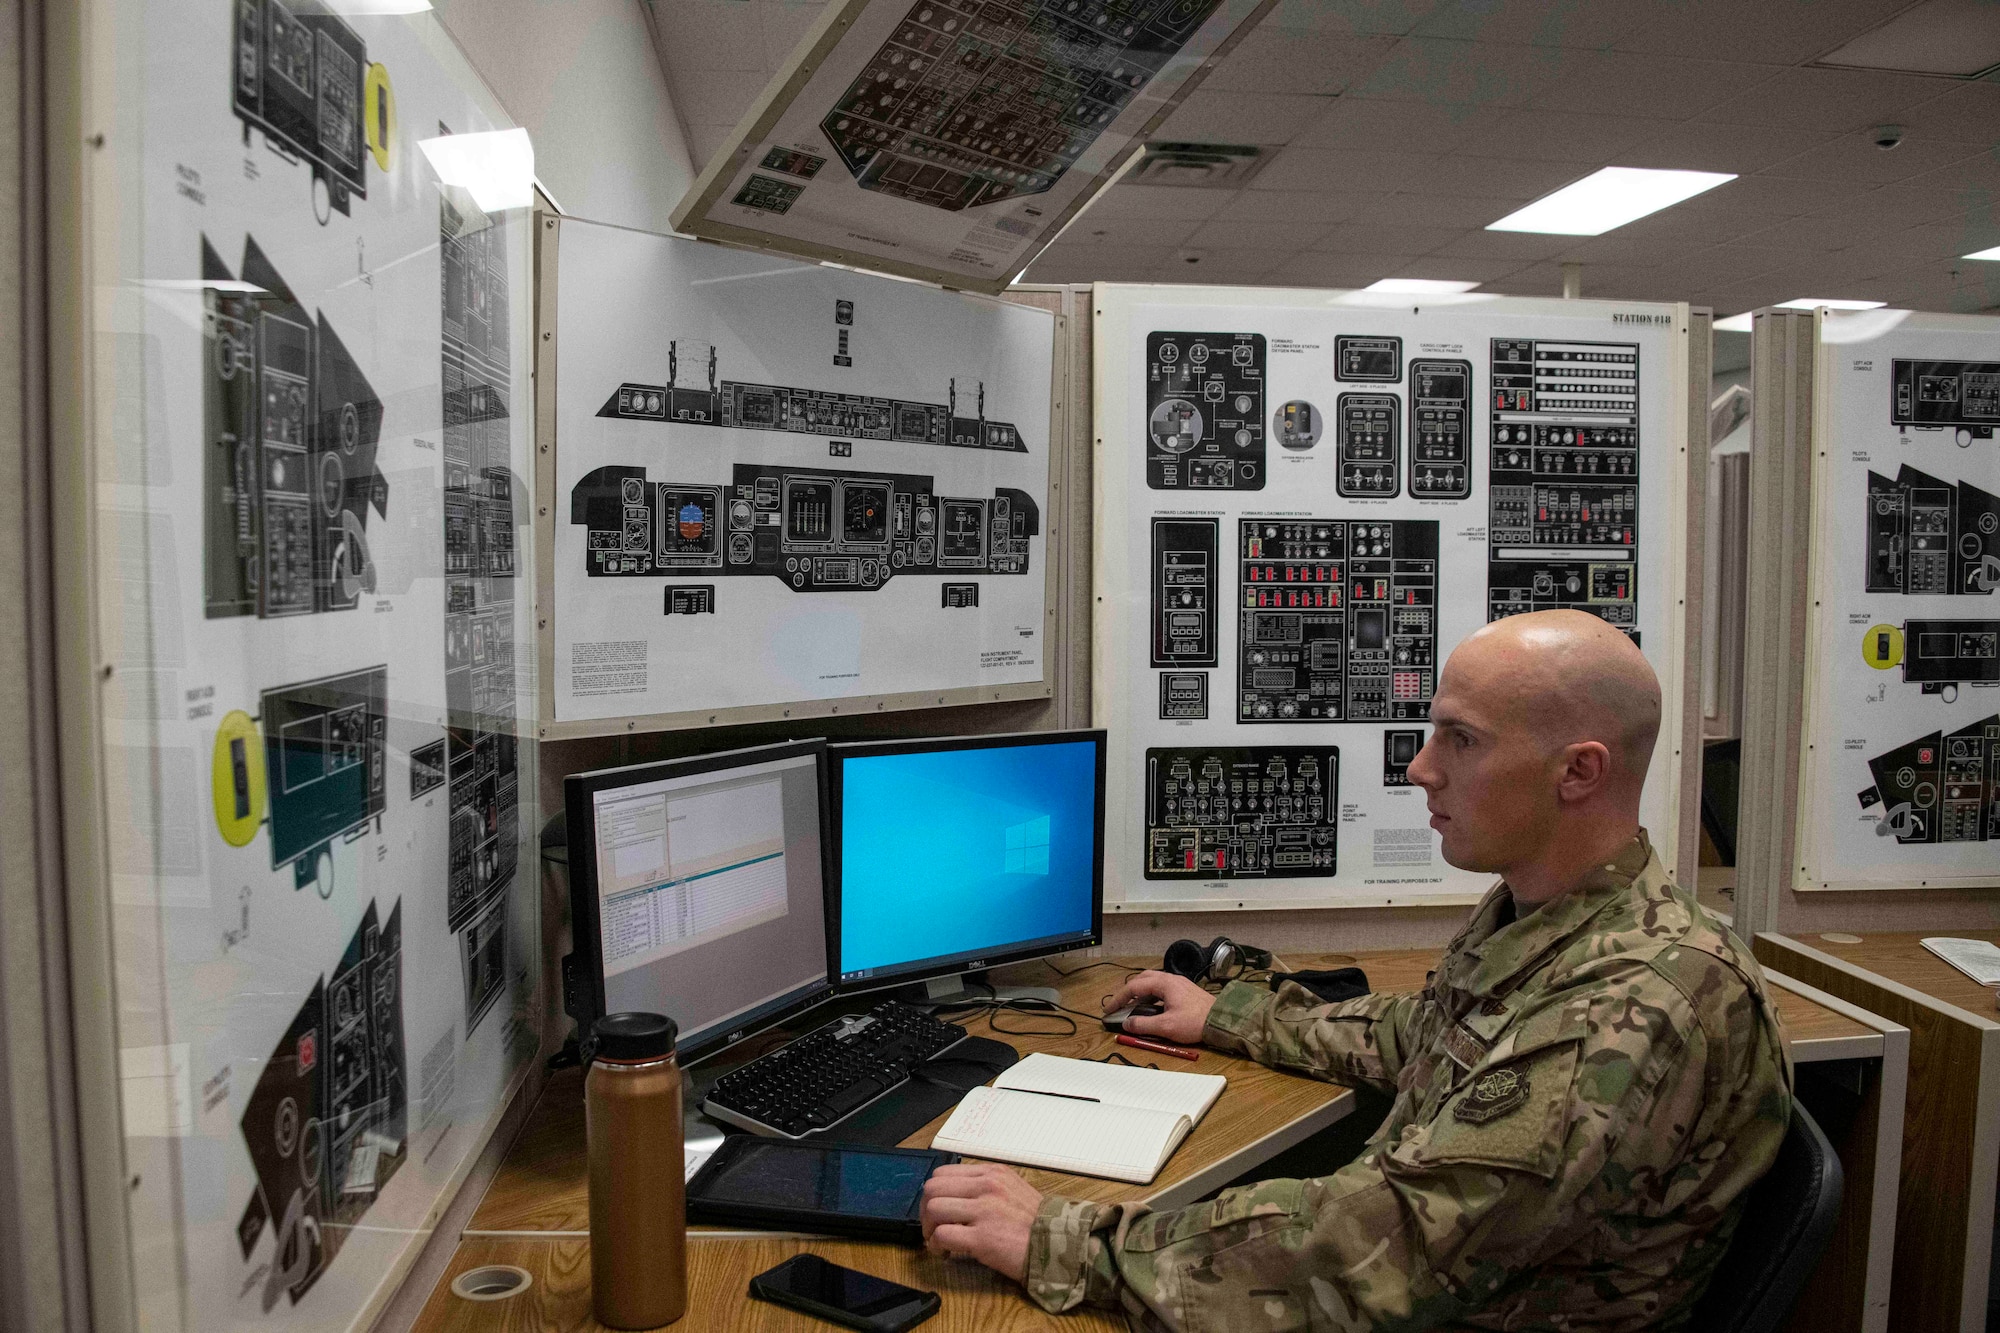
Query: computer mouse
1115	1020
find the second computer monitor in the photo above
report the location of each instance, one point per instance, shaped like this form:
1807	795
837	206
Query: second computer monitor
963	853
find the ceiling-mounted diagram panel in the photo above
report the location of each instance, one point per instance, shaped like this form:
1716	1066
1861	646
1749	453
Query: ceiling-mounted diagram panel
1899	770
952	139
1305	502
781	482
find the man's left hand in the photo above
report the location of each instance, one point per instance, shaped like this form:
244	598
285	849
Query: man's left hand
981	1211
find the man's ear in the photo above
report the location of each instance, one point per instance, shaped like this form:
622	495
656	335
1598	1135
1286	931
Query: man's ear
1586	768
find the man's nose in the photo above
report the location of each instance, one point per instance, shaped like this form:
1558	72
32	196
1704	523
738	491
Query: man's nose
1423	771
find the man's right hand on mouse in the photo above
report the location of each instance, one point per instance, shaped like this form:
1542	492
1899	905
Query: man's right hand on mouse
1184	1006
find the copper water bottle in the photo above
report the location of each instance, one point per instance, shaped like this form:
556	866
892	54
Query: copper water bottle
638	1209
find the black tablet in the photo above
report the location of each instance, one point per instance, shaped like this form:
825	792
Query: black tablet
831	1189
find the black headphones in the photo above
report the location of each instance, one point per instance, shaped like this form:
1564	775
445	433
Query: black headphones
1223	960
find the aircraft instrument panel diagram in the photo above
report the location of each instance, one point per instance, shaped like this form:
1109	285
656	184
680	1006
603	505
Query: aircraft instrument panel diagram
1242	812
969	102
1928	537
1940	788
1440	429
289	470
1938	395
1205	411
479	565
1563	517
1337	620
816	528
1939	655
301	75
327	1124
1370	427
694	396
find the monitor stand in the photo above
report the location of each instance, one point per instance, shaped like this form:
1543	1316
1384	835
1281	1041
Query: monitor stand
955	991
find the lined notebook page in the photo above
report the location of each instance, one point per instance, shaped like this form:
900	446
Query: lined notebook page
1155	1089
1083	1138
1978	959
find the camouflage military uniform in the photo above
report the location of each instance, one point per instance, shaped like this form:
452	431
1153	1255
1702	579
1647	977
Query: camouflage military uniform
1582	1096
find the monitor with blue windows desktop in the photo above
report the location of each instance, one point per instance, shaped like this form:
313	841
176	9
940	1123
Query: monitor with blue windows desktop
958	854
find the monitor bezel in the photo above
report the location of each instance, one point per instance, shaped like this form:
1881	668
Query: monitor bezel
579	789
930	970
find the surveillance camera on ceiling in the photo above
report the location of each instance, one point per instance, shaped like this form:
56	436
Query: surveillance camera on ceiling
1886	137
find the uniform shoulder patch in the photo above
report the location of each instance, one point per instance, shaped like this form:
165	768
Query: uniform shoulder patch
1493	1095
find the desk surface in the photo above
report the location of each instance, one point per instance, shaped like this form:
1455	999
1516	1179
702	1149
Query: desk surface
1900	956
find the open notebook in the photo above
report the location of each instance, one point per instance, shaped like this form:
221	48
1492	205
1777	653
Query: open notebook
1105	1120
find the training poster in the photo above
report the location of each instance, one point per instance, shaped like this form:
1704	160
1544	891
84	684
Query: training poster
312	416
1305	500
1900	780
782	482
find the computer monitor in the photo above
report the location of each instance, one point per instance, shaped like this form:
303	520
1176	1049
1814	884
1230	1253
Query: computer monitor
959	854
697	890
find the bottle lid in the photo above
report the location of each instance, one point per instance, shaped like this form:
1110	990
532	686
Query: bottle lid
633	1036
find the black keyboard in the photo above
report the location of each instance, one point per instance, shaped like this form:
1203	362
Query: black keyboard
830	1073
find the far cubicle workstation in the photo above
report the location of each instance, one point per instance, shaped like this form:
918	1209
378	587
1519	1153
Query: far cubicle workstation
798	543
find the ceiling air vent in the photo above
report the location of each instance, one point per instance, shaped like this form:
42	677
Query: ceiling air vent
1217	166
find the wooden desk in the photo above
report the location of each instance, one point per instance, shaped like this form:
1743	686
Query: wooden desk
1951	1133
536	1213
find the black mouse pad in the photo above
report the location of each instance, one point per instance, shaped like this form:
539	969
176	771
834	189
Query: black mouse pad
935	1087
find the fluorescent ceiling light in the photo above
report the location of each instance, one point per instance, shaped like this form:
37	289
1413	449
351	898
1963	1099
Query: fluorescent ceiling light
1952	37
1734	324
1830	302
1607	198
1420	286
496	167
1990	253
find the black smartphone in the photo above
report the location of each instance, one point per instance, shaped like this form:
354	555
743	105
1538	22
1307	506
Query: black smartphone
810	1284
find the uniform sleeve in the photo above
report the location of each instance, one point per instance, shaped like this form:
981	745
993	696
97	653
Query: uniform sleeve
1365	1040
1525	1153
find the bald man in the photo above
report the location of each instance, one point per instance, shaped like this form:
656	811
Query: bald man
1583	1092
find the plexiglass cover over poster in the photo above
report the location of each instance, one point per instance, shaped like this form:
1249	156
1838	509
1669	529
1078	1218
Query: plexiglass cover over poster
312	420
1900	777
782	481
1305	500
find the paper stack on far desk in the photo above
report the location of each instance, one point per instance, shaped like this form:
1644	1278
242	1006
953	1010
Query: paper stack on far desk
1976	958
1082	1117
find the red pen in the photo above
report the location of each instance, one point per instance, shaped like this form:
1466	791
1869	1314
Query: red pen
1159	1046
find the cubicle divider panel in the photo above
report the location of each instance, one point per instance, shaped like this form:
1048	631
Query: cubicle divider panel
779	490
308	427
1898	775
1304	501
1687	742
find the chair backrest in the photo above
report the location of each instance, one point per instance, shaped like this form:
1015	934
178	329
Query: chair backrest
1784	1230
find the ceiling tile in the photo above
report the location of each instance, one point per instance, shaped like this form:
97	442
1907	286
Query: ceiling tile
1220	265
786	22
1969	111
1583	141
1481	271
1095	231
1324	270
1279	60
1066	263
1350	17
1265	206
1496	178
705	141
1429	210
1430	69
1840	100
1699	146
712	34
1821	232
1335	169
1579	24
1694	226
1942	240
1521	245
1854	158
1976	177
1366	238
1894	207
1618	83
1628	251
1208	116
1171	201
714	96
1779	196
1532	280
1392	126
1289	237
1776	32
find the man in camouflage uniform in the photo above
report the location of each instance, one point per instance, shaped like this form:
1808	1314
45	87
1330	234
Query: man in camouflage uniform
1583	1092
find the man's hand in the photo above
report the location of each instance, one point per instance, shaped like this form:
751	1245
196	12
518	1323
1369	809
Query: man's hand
1185	1006
981	1211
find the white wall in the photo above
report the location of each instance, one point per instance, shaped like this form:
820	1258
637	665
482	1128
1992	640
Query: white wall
583	77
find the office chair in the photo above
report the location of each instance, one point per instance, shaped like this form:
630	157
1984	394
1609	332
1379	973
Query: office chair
1784	1230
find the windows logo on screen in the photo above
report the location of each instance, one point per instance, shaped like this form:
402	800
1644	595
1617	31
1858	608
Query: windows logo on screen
1028	847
